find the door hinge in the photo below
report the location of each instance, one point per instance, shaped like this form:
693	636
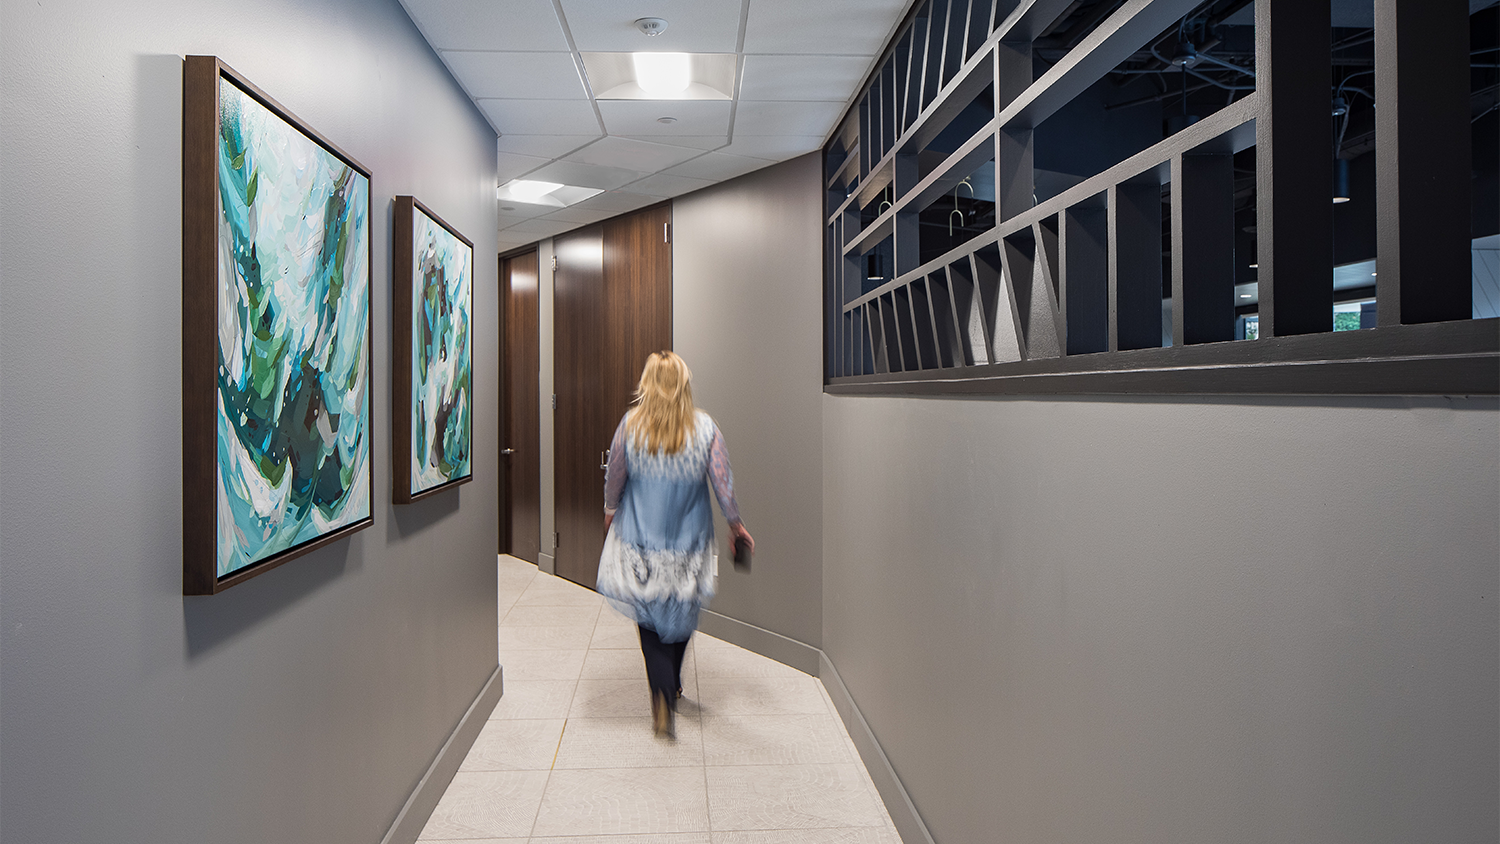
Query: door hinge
666	232
554	262
554	401
556	540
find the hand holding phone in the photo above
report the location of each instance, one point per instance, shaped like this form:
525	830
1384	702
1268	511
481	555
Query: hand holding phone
743	545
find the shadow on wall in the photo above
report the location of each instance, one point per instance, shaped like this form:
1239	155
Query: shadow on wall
210	621
416	517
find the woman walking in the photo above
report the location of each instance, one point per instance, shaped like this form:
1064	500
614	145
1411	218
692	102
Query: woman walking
656	567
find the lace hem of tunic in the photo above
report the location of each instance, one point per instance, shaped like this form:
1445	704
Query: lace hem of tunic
661	590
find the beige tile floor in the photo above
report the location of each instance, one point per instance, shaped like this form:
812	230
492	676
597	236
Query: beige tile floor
568	755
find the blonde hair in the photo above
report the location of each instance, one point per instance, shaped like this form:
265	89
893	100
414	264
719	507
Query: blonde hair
663	414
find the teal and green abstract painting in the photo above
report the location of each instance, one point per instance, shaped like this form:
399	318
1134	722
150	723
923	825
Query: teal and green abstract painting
293	331
441	409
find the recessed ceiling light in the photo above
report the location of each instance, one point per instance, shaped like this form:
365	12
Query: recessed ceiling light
1371	273
534	192
667	120
1254	266
662	74
527	190
1244	295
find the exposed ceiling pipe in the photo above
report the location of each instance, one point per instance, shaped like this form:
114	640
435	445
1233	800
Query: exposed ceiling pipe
1213	22
1217	84
1203	57
1154	99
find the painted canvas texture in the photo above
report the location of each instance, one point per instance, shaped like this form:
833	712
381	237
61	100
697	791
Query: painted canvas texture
442	269
293	330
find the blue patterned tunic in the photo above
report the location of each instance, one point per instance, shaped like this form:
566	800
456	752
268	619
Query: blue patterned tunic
657	562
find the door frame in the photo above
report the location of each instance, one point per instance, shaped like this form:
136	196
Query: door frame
508	395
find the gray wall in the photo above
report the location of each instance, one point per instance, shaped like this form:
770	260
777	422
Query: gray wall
747	317
303	705
1172	620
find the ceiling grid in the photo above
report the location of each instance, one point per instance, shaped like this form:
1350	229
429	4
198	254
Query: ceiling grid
797	66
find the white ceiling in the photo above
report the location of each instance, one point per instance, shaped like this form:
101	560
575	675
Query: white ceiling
799	63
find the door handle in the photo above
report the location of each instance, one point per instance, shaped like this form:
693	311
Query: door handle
507	451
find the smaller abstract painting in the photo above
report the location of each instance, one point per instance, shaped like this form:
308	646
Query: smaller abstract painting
432	400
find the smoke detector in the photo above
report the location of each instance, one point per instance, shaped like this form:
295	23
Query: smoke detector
651	27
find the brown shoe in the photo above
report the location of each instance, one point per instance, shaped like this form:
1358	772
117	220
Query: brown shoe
662	717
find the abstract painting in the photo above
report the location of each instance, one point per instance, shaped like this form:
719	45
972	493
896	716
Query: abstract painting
433	404
276	335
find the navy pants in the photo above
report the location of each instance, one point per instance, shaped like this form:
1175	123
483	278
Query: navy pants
663	664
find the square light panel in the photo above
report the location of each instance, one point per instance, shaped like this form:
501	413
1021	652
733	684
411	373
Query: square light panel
553	194
661	76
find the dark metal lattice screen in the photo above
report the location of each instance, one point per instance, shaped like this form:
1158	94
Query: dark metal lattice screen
1143	196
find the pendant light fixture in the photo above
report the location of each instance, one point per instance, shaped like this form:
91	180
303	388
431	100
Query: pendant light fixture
1340	181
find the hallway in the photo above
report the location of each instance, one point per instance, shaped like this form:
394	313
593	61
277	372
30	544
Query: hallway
568	754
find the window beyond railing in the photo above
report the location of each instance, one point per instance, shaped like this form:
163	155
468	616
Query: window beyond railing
1050	196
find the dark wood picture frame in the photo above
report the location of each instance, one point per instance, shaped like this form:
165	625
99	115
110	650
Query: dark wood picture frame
202	78
403	285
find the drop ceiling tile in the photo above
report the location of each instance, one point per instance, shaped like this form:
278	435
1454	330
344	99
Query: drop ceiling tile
638	118
546	146
664	185
511	239
774	147
487	25
520	76
698	142
541	117
632	154
512	166
617	202
784	118
693	26
586	175
802	77
516	212
580	216
717	166
541	228
847	27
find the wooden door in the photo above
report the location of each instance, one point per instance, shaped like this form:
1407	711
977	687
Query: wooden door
578	349
613	293
520	458
638	299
